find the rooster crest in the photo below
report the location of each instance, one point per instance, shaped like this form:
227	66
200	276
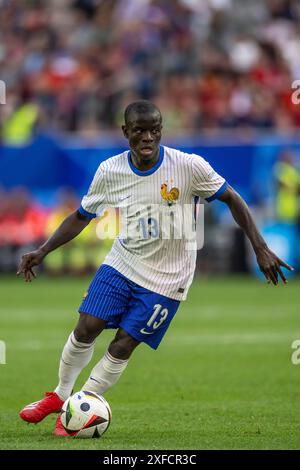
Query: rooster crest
169	196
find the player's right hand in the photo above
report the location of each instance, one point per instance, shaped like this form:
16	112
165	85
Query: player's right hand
34	258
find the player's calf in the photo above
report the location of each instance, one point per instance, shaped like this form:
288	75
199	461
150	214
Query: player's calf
108	371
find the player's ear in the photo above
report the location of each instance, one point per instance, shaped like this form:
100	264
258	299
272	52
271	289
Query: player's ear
125	132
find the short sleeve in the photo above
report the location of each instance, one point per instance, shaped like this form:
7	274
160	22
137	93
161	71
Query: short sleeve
94	202
206	182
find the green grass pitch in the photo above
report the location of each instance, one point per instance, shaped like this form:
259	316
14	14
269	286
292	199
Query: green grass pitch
221	379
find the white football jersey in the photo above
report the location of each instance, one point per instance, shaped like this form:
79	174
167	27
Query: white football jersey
155	248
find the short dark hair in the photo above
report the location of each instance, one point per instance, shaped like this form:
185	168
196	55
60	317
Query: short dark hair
140	107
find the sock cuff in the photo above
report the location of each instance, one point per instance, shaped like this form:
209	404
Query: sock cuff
115	360
78	344
113	365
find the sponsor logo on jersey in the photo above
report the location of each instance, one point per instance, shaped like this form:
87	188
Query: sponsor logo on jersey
123	198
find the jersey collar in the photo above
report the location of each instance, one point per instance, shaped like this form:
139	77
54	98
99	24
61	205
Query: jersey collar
153	169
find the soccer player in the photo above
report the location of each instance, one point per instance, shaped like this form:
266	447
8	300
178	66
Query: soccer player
138	288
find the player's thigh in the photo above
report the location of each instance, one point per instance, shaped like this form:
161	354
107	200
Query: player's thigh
88	328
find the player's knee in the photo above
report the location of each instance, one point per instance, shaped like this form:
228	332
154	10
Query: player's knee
88	328
122	345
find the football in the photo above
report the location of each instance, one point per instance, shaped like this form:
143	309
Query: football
85	414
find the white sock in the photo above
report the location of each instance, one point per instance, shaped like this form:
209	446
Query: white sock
74	358
105	374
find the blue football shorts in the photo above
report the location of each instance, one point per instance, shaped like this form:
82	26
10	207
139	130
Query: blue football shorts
144	314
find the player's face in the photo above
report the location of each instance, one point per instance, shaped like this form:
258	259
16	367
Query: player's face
143	132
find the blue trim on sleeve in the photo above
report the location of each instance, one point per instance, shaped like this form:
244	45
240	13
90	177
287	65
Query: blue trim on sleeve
218	193
153	169
86	213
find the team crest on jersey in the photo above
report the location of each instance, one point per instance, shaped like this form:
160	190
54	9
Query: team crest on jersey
170	196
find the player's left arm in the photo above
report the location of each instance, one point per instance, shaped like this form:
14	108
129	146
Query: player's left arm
268	262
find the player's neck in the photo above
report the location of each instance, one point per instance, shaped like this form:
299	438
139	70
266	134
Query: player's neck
143	165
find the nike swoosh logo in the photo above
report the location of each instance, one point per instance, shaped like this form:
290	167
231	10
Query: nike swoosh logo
92	378
123	198
146	332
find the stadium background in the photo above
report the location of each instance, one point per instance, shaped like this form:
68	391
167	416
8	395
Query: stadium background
222	72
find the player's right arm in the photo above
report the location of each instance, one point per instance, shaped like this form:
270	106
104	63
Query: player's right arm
91	205
69	229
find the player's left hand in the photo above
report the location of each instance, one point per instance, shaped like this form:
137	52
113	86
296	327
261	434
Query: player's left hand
34	258
271	265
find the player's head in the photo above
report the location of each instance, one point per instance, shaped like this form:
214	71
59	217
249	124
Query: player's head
143	126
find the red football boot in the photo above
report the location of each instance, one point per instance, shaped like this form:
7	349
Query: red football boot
37	411
59	430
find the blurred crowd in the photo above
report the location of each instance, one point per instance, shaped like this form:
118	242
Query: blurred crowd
73	65
287	180
26	224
